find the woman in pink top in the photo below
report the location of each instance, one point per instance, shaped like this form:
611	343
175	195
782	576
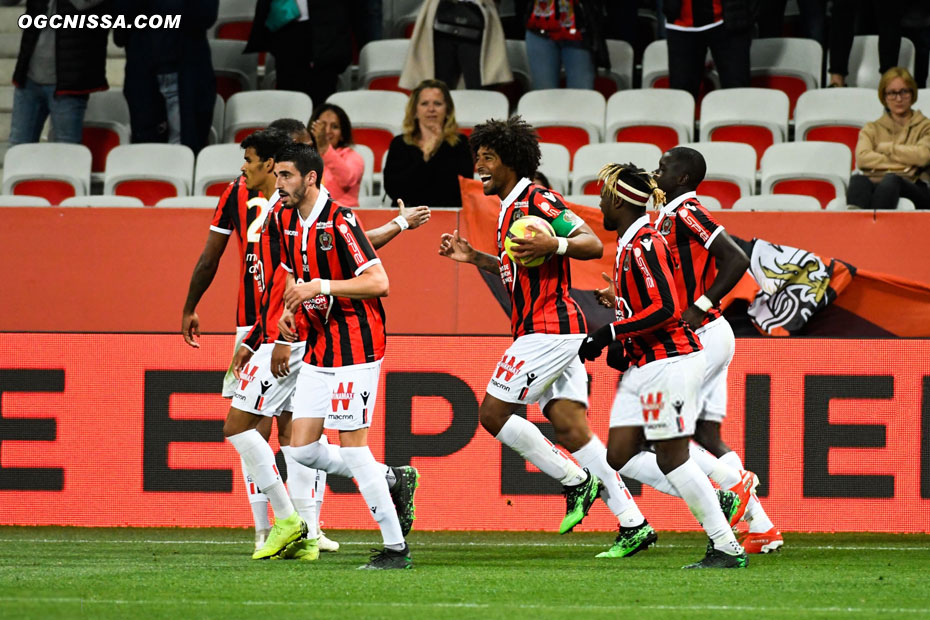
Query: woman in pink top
342	166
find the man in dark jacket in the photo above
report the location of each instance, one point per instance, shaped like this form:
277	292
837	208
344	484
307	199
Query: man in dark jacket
170	86
310	51
723	26
56	70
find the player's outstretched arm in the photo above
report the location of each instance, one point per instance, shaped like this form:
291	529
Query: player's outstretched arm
732	263
203	275
411	218
458	249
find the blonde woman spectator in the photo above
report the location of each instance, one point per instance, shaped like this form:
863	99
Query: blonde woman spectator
342	166
893	152
425	161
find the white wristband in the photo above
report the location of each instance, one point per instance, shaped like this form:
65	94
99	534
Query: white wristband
563	246
703	303
401	221
324	287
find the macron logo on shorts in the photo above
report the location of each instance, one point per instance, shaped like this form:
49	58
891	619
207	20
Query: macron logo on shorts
508	367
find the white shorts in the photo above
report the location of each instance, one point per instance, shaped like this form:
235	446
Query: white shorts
260	392
661	396
540	368
719	345
229	381
344	396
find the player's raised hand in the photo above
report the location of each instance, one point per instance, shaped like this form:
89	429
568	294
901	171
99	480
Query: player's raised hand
287	326
281	360
190	329
415	216
240	359
454	247
606	296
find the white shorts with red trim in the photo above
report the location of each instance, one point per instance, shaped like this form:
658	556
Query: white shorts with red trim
719	345
661	396
344	396
541	368
229	380
260	392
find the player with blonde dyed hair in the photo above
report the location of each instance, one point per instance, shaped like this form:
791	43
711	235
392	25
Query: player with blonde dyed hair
661	359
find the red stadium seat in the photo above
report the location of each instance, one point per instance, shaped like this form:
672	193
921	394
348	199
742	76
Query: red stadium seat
130	171
52	170
754	116
727	192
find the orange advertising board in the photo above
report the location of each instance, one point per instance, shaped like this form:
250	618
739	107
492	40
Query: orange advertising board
126	430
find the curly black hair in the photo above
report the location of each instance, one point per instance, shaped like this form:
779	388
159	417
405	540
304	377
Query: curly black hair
514	140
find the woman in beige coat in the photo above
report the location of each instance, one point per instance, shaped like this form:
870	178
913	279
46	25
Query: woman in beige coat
474	50
893	152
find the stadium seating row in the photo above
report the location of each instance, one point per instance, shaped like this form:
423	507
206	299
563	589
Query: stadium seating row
816	169
572	118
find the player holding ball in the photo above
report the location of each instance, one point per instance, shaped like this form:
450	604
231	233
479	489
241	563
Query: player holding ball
542	365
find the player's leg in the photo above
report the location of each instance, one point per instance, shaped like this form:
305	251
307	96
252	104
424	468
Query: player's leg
719	346
374	489
696	490
257	500
240	430
319	488
565	405
671	387
301	484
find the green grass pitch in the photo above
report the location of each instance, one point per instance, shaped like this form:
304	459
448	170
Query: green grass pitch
51	572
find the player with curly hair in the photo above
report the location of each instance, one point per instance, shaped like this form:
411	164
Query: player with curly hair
542	364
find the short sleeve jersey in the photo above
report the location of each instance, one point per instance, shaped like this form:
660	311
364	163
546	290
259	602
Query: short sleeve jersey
648	312
689	230
331	244
245	213
539	296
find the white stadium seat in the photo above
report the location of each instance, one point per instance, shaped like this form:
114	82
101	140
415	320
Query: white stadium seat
249	111
149	171
53	170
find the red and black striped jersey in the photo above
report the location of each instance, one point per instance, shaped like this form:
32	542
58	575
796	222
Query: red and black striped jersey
689	230
539	296
331	244
245	212
648	312
265	328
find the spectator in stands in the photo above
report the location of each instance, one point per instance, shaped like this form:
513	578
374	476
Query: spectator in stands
55	72
342	166
888	14
771	19
893	152
425	161
453	40
565	33
693	27
310	45
169	84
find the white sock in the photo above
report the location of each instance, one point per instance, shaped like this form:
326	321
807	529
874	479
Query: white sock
593	455
643	468
529	442
373	487
300	483
319	455
758	521
697	491
717	470
319	487
259	461
257	501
